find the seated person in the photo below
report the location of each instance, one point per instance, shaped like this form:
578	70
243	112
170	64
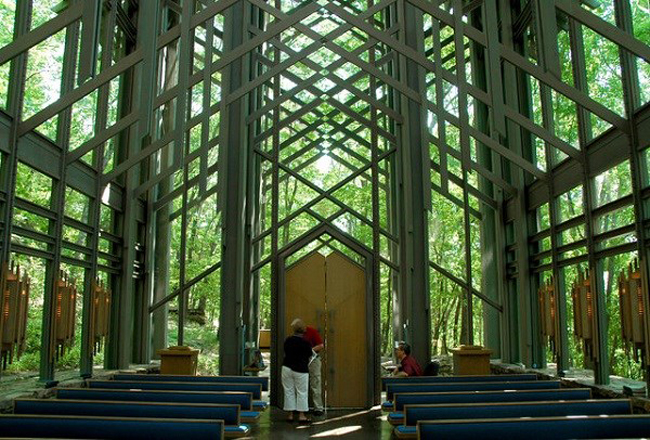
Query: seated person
408	365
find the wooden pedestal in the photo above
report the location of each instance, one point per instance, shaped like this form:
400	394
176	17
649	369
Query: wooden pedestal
265	339
471	360
178	360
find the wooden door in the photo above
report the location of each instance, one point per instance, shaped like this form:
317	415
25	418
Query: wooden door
346	362
329	294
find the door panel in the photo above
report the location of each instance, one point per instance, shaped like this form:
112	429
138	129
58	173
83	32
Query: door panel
306	292
346	332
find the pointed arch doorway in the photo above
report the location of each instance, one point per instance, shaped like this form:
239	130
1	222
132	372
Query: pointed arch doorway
332	292
328	292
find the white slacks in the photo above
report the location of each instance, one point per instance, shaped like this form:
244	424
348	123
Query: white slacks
295	390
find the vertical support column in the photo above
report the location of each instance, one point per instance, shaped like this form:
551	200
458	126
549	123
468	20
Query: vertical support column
492	248
520	299
416	199
233	196
159	244
16	93
253	221
632	101
58	205
87	342
601	366
121	342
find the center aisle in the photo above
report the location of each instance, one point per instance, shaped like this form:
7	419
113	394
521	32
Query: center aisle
349	424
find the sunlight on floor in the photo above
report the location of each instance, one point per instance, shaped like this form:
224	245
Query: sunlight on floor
337	432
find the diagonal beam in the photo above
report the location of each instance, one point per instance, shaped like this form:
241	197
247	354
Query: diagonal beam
102	137
41	33
570	92
613	33
272	31
75	95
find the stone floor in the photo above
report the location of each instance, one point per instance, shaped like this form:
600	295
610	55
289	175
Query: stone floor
347	424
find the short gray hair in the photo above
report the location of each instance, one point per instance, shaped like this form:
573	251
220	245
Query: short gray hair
298	325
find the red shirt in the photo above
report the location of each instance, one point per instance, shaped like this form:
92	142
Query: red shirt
312	336
411	367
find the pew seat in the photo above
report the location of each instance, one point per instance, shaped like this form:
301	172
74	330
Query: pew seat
450	379
229	414
399	400
557	428
414	413
111	428
264	381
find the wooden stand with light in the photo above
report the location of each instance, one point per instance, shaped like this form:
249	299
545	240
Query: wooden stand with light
65	313
547	298
100	315
584	316
633	301
14	306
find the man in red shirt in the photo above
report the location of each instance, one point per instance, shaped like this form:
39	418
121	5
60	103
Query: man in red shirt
408	365
315	385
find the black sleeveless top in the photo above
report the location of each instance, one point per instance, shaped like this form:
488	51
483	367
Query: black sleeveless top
297	352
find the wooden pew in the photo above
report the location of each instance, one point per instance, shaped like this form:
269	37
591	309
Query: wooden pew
447	379
414	413
489	396
556	428
244	400
469	386
254	388
264	381
112	428
230	414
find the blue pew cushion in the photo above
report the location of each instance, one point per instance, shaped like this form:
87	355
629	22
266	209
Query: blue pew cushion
259	405
249	416
396	418
236	431
406	431
387	406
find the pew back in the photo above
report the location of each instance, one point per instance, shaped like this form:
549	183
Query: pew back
228	413
450	379
416	413
469	386
489	396
557	428
244	400
254	388
112	428
264	381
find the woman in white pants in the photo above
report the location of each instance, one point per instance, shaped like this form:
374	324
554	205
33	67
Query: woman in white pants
295	373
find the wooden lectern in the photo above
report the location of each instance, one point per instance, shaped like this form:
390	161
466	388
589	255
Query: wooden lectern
471	360
178	360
